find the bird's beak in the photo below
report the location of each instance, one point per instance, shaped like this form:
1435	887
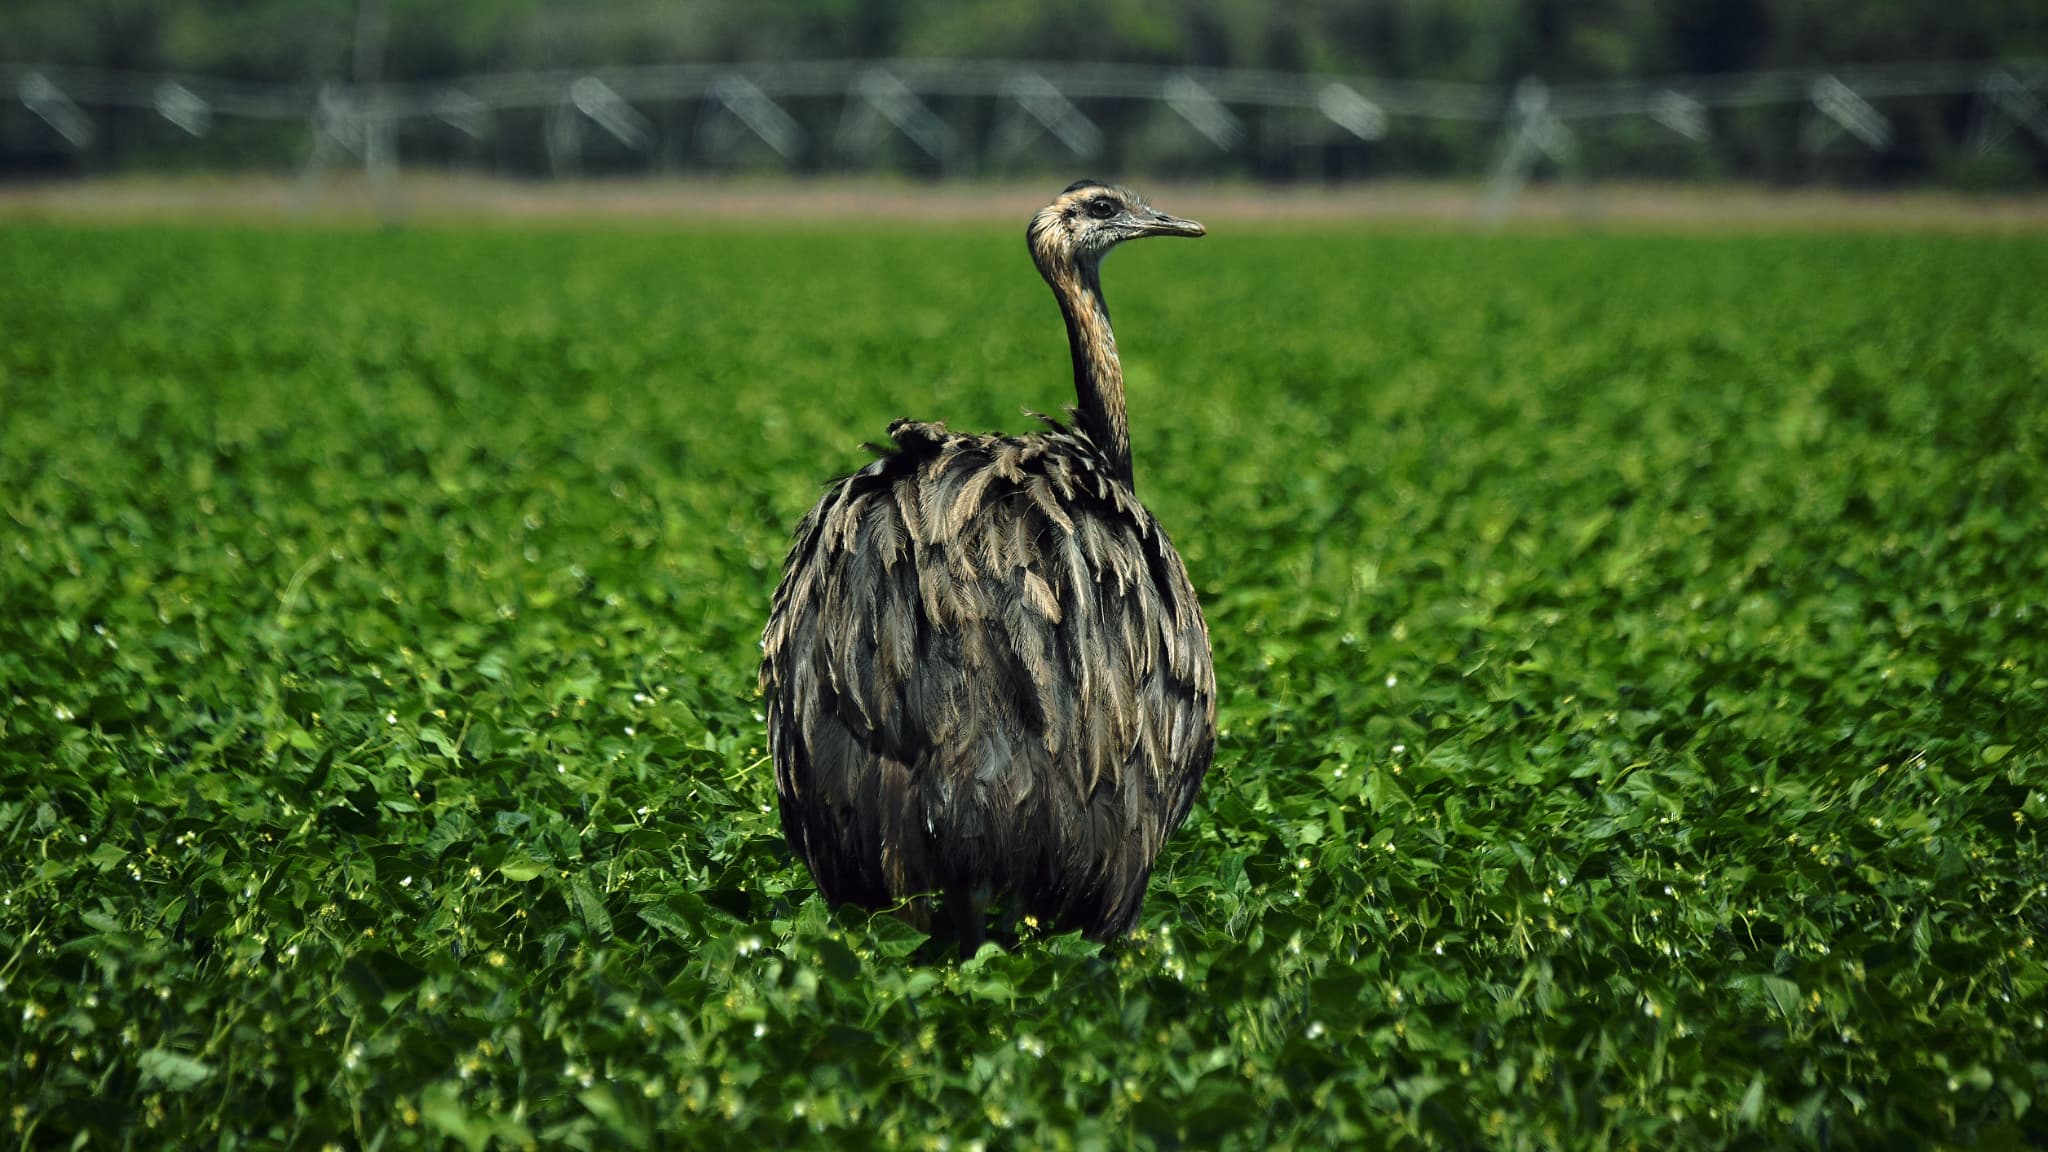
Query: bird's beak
1160	224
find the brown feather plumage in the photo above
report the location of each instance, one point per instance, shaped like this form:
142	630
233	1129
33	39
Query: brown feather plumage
988	677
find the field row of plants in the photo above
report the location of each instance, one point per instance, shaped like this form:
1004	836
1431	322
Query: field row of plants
1633	656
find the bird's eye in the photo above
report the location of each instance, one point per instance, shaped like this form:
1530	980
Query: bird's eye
1101	209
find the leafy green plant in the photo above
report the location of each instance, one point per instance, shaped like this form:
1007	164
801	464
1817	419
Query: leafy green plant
1633	655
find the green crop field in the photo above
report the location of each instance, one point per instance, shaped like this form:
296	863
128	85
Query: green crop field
1633	657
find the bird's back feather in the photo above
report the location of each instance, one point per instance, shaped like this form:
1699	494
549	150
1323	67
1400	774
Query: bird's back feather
986	671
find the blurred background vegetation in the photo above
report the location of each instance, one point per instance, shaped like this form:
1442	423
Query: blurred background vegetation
1496	43
1481	41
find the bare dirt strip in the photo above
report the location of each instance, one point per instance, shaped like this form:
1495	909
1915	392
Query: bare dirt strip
463	199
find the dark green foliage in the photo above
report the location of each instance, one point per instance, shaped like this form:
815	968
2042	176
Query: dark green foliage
1634	656
301	44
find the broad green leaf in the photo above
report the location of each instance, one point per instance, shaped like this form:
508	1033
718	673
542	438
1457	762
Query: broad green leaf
521	869
174	1071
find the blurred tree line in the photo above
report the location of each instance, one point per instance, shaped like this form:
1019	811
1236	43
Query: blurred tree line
1492	42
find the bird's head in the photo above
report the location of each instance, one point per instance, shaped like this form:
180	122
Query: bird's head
1090	218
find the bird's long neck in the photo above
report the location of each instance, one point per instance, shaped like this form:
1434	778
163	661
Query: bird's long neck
1098	377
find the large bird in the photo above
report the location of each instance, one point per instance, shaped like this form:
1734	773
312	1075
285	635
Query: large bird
988	680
